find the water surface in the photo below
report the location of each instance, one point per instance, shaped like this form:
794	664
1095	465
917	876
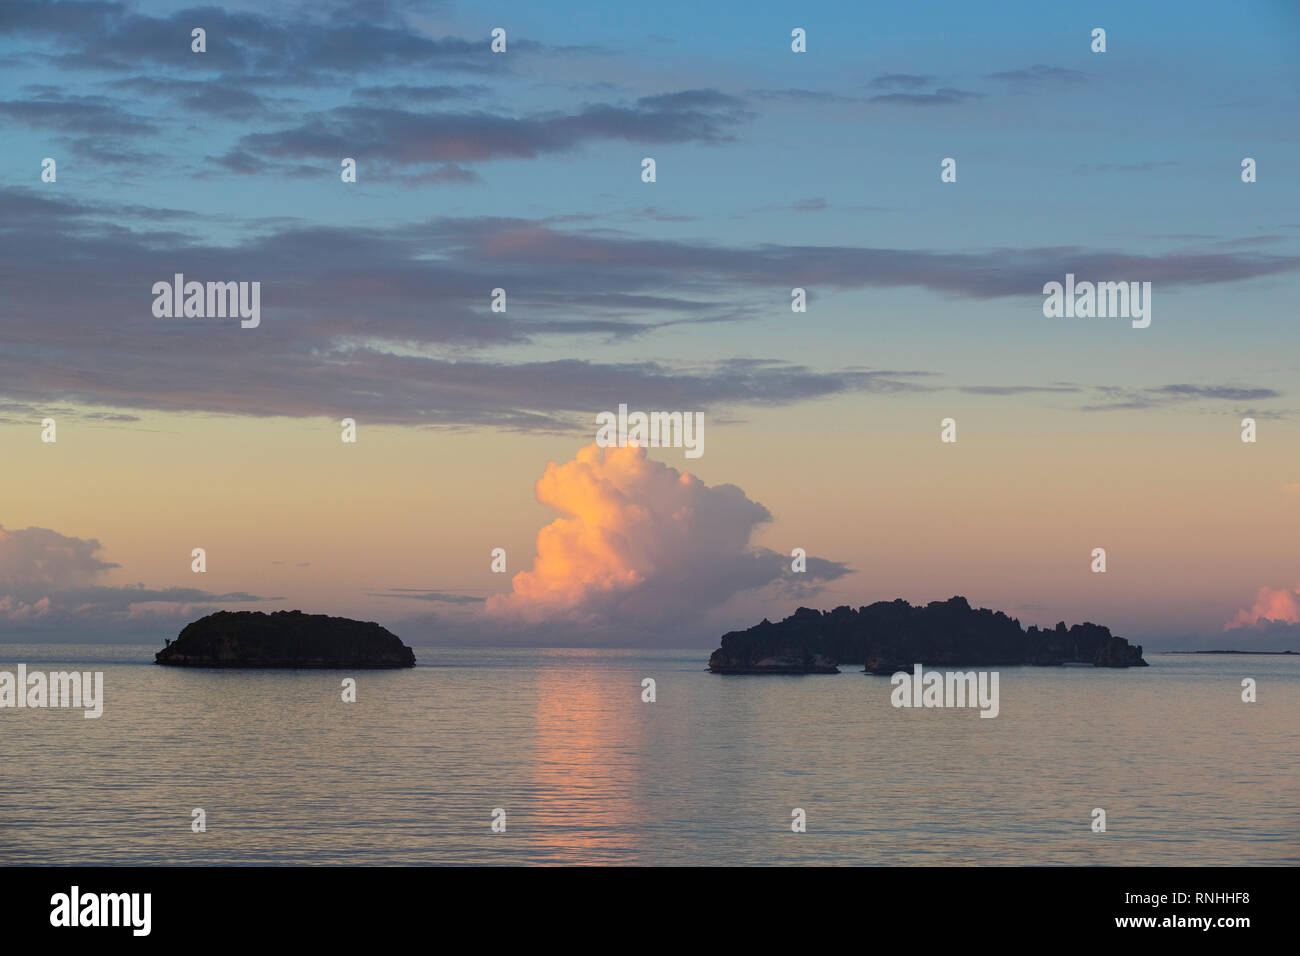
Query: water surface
588	773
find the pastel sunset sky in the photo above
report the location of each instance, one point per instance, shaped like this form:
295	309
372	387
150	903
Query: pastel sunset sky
774	170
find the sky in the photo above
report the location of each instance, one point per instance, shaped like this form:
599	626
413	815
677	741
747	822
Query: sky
522	170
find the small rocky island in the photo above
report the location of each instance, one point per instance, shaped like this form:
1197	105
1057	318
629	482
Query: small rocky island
284	639
890	636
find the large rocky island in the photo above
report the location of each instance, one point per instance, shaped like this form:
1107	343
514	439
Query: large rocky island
890	636
284	639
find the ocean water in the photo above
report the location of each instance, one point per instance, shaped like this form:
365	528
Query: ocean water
589	774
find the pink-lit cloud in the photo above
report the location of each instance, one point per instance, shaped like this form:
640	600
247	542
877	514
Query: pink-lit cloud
639	546
1279	606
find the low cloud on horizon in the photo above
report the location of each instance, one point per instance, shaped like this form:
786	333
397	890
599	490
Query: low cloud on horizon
641	555
48	589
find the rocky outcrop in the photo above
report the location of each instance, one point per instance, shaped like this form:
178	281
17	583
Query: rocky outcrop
890	636
787	663
284	639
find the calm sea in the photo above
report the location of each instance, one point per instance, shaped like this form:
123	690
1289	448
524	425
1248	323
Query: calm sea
708	774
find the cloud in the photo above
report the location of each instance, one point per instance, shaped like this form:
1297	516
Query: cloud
109	150
110	36
40	558
222	96
402	93
942	97
690	100
1228	392
803	96
991	274
421	594
1005	390
240	163
47	586
1040	76
1272	606
901	81
1104	398
446	173
76	114
402	137
1117	398
655	214
360	320
641	549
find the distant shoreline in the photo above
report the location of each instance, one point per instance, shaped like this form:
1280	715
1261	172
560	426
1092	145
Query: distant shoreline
1292	653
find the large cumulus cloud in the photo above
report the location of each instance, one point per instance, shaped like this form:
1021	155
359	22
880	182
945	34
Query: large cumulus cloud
641	548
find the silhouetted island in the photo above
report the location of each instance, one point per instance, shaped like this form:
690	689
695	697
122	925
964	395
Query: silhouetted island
284	639
890	636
